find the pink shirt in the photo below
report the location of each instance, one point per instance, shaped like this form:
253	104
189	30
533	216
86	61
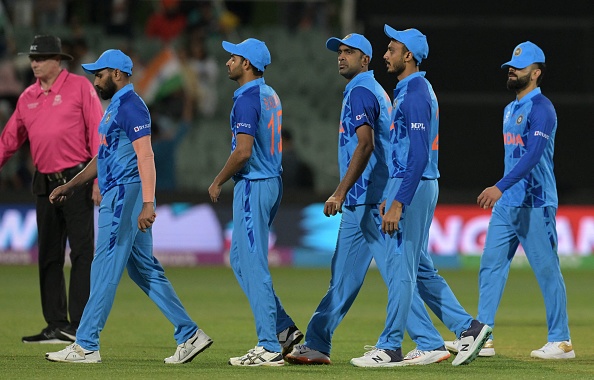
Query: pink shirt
62	125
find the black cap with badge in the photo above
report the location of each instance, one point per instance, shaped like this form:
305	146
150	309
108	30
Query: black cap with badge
47	46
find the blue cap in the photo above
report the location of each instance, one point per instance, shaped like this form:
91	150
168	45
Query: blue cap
110	59
251	49
524	55
415	41
353	40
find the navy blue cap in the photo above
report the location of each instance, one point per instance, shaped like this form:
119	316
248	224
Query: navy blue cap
251	49
110	59
353	40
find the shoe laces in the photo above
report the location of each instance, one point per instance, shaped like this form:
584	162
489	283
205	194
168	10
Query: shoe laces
415	354
371	350
251	352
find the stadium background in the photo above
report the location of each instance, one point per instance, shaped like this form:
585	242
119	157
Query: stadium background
468	42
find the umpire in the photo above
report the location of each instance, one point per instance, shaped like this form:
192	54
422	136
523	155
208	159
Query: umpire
59	115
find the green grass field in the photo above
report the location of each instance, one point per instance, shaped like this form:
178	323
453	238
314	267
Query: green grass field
137	337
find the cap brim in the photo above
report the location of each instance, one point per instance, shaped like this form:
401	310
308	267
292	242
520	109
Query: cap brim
391	32
91	68
65	57
334	43
229	47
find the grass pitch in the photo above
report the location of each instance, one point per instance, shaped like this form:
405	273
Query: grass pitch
137	337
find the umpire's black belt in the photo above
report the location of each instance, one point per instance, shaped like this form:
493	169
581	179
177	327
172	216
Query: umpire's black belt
66	174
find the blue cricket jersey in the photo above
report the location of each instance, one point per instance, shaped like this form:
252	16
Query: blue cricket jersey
125	120
365	102
529	128
257	111
414	136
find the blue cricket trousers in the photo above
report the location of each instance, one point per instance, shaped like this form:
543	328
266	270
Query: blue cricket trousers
255	203
413	269
535	229
120	244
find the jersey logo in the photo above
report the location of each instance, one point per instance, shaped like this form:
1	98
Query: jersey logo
107	117
102	140
57	100
511	139
141	127
520	119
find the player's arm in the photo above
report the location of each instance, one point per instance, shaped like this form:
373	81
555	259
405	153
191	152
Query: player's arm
148	177
361	155
365	110
92	112
541	122
417	110
245	116
63	192
235	162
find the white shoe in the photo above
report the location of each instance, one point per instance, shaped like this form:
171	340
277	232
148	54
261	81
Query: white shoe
188	350
471	342
258	356
555	350
74	354
302	354
419	357
376	357
488	349
288	338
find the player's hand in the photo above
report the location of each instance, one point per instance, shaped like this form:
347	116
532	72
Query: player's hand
382	209
214	191
61	193
147	216
333	205
391	218
96	196
489	197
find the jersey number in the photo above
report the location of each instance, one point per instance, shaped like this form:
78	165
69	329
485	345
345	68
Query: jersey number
271	126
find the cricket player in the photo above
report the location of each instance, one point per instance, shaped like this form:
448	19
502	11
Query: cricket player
126	171
363	139
255	166
406	217
525	203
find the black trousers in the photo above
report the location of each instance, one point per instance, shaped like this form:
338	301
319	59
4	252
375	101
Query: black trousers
73	220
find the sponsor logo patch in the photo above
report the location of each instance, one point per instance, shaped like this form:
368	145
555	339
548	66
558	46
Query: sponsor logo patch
141	127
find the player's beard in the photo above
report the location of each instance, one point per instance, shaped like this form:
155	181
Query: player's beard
396	68
109	91
235	74
519	83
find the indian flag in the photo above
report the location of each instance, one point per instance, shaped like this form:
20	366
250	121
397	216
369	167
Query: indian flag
161	77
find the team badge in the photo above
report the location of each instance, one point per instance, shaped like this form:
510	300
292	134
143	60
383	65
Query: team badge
107	118
519	119
518	51
347	36
57	100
